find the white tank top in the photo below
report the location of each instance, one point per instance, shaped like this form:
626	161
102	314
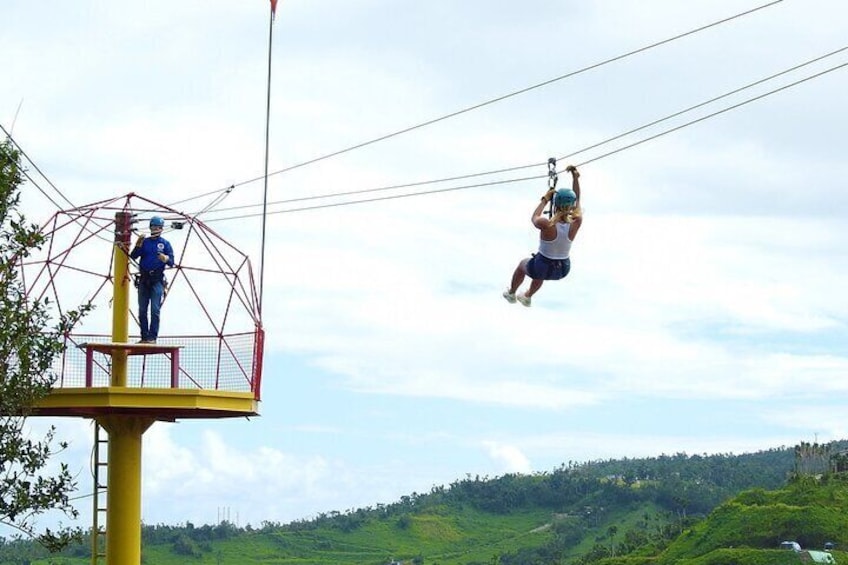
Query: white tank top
560	246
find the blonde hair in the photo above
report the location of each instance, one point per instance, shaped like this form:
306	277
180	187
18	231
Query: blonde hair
567	214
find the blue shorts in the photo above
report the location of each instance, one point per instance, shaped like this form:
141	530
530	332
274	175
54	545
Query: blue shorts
541	268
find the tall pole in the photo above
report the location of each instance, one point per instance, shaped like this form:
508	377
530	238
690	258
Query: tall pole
123	487
267	137
123	482
120	296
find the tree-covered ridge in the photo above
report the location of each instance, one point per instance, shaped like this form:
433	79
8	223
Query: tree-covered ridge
575	513
693	482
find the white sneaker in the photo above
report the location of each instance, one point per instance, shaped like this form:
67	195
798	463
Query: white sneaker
509	296
524	299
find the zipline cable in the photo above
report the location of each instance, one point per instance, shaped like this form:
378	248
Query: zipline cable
488	102
533	165
381	198
710	101
380	189
714	114
592	160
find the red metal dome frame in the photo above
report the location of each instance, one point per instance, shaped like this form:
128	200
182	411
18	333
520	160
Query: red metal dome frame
210	314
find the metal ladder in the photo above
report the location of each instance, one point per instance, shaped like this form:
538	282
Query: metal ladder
99	471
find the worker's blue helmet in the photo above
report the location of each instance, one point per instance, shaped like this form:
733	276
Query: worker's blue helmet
157	222
564	197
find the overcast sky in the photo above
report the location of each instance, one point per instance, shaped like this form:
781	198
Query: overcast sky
705	311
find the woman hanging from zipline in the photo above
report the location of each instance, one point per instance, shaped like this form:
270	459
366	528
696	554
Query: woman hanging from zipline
556	234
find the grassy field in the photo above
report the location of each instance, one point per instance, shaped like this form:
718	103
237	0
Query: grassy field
454	538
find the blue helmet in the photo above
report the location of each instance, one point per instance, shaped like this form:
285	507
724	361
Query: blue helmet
564	197
157	222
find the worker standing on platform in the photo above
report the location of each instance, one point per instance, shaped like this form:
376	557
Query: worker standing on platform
155	253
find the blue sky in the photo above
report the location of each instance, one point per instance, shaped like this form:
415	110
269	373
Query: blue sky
705	311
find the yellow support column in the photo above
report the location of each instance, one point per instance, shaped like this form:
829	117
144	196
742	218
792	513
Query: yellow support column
120	297
123	494
123	490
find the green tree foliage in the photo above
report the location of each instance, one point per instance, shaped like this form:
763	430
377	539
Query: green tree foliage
28	346
651	511
811	511
186	546
812	458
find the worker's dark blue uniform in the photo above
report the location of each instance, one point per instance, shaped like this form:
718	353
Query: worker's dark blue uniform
151	284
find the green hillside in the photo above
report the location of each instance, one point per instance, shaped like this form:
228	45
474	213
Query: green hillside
748	529
809	511
668	509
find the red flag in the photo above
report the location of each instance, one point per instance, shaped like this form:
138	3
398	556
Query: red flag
273	8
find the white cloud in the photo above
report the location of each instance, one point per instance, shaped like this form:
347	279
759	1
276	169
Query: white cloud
511	457
256	477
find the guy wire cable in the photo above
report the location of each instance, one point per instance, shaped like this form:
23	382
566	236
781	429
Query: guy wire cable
41	190
26	174
489	102
31	162
583	150
96	234
599	157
